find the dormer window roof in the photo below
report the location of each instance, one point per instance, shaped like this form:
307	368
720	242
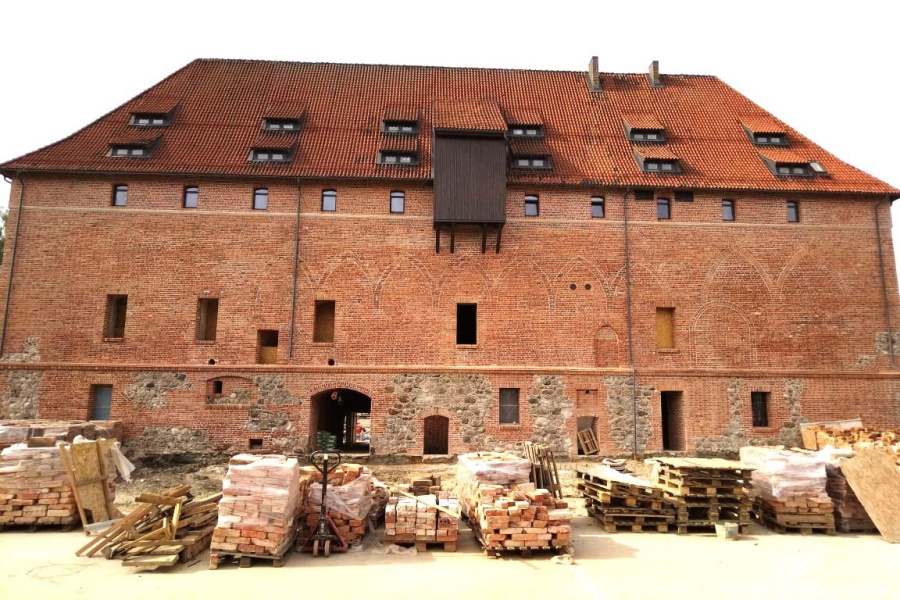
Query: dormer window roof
644	129
531	162
785	163
658	160
127	146
764	131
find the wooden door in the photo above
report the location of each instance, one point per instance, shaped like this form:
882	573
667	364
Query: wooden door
437	435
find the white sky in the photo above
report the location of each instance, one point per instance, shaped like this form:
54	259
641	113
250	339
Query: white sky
829	72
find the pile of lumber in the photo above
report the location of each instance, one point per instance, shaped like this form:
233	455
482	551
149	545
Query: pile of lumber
162	530
351	494
854	437
521	517
258	510
789	489
622	502
34	488
850	515
422	520
704	491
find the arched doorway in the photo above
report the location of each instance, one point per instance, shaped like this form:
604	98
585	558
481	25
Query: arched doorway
437	435
340	418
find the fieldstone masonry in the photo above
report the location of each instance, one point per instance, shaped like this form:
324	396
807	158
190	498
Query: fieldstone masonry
272	390
733	436
550	408
882	345
20	399
790	431
150	387
259	419
238	395
622	412
170	440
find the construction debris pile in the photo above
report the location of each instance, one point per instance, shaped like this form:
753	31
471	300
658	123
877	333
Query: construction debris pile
350	496
505	510
34	488
261	498
790	489
14	432
162	530
622	502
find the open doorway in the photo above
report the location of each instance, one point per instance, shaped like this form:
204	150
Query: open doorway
437	435
672	411
340	419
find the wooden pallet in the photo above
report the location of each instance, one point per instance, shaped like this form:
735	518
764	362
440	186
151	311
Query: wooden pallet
245	559
588	442
688	528
543	468
493	552
803	529
646	527
424	546
679	489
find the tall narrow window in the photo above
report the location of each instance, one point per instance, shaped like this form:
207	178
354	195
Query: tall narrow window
509	405
466	324
116	310
260	199
102	402
191	196
207	318
759	402
120	195
398	202
662	209
728	210
793	212
532	208
665	328
329	200
323	328
267	346
598	207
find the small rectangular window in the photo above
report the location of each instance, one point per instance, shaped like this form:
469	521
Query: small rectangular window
793	212
120	195
398	202
532	207
323	328
191	196
663	211
759	402
260	199
267	346
728	210
150	119
598	207
643	194
466	324
329	200
684	196
207	318
277	155
509	406
525	131
116	310
665	328
402	127
281	124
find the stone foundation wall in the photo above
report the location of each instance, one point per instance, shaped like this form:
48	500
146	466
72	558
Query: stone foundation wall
622	413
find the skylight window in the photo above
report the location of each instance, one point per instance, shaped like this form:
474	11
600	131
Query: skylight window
271	155
526	131
150	119
288	125
397	158
400	127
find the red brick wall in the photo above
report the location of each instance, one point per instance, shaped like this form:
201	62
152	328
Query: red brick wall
759	299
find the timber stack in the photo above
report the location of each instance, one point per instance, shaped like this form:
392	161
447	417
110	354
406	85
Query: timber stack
622	502
34	488
258	511
790	490
850	515
704	491
351	495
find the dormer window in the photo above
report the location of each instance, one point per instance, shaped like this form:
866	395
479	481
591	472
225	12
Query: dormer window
792	170
400	127
397	158
770	139
525	131
150	119
289	125
129	151
271	155
661	166
647	136
531	162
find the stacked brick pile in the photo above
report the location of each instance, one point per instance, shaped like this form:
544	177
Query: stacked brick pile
850	515
351	495
34	488
408	521
493	468
790	490
259	506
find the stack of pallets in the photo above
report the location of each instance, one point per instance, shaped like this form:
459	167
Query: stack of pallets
622	502
850	515
704	491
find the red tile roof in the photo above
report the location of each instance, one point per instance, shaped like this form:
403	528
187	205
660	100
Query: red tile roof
407	143
762	125
400	112
222	103
525	146
642	121
658	152
784	155
523	116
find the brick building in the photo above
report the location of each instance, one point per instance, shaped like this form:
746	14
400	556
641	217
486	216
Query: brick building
250	253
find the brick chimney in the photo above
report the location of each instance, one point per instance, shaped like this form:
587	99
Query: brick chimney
655	80
593	75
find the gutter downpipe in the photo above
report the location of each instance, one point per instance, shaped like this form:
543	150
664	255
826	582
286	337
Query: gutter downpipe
12	261
628	328
884	290
296	264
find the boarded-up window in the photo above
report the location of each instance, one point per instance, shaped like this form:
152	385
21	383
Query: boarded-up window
466	323
323	329
101	396
207	318
509	405
267	346
665	327
759	402
116	309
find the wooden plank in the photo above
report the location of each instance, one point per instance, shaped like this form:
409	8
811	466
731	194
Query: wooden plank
150	562
874	477
66	460
157	499
89	480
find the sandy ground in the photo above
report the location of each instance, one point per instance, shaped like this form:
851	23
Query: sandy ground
624	565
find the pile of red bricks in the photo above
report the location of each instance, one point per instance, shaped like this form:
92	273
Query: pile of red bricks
34	488
259	506
521	517
408	521
351	494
